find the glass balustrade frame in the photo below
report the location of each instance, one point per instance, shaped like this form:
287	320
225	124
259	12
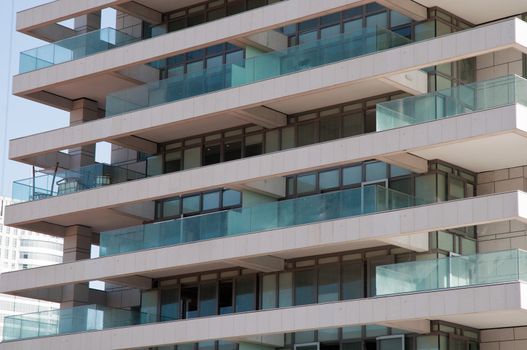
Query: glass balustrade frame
452	272
258	68
72	320
262	217
51	184
469	98
73	48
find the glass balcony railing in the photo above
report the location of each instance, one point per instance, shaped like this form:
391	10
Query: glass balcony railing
263	217
73	48
266	66
451	272
67	181
73	320
447	103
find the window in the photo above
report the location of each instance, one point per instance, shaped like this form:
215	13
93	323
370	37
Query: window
225	296
173	162
328	283
306	183
352	175
285	292
211	201
353	20
171	207
376	171
198	203
329	179
169	304
253	145
245	293
303	129
352	280
191	204
456	189
379	20
233	150
232	198
149	301
330	128
269	287
425	188
189	301
305	282
207	299
192	158
211	154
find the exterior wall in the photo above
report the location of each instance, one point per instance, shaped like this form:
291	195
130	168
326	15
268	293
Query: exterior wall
123	298
498	64
506	234
504	339
129	24
127	158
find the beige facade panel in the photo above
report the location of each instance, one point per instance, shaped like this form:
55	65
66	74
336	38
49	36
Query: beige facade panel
494	306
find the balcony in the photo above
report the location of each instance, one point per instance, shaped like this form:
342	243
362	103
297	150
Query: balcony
73	48
271	65
475	97
479	270
79	46
263	217
51	184
452	272
73	320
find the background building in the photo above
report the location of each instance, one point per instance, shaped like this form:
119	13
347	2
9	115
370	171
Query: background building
300	174
22	249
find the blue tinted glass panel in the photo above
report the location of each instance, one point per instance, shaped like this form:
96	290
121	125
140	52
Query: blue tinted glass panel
245	293
305	287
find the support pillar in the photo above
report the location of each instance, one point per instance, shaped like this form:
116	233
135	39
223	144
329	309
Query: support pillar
88	22
77	243
83	110
77	246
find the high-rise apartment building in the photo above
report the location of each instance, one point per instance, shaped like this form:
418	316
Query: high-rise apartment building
21	249
297	174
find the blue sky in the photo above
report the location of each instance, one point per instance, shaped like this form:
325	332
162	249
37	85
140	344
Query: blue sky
23	117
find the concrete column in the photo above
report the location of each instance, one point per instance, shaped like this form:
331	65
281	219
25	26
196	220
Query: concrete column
77	246
83	110
77	243
87	23
75	295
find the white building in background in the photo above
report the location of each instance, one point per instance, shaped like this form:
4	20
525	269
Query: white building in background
22	249
285	175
